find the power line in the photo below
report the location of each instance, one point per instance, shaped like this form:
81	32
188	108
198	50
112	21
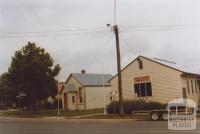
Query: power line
151	27
50	35
55	31
157	29
162	26
102	45
93	30
127	44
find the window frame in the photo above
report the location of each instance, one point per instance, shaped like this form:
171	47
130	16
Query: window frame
192	86
196	86
80	95
188	86
73	99
145	82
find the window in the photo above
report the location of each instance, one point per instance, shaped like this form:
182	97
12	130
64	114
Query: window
196	86
143	89
73	99
188	86
81	100
192	86
149	90
80	95
184	93
137	89
142	86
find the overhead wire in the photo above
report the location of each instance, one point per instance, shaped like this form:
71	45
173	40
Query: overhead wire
54	35
161	26
100	49
54	31
158	29
77	31
127	44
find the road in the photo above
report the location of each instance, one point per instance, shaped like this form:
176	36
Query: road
76	126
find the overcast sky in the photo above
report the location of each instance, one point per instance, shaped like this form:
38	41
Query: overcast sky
90	50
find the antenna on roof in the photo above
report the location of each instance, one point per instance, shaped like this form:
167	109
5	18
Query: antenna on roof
165	60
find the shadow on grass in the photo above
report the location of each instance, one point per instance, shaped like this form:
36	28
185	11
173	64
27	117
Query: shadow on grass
49	113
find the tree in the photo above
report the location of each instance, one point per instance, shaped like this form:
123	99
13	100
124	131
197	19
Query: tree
7	91
32	71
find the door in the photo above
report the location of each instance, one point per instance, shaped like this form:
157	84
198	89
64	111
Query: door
65	101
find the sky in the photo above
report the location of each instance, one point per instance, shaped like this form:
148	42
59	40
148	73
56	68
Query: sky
92	47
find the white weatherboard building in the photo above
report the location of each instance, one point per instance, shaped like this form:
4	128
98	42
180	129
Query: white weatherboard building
84	91
157	80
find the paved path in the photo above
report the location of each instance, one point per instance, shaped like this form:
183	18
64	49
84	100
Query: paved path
89	115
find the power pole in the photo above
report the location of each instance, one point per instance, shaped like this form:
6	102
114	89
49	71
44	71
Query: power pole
116	31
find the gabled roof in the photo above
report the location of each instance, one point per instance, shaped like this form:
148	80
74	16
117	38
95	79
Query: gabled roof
67	88
169	64
61	88
89	79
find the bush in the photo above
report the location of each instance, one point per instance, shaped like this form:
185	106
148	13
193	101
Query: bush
3	106
55	104
48	105
135	105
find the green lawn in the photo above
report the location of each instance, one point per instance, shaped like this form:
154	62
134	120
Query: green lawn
50	113
64	113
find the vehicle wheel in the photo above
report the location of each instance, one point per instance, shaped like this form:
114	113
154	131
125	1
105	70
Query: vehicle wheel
154	116
165	116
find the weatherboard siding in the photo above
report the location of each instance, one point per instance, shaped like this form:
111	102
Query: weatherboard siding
73	81
95	97
194	96
70	105
166	82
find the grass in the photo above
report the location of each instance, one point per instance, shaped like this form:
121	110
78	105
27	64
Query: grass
50	113
67	114
114	116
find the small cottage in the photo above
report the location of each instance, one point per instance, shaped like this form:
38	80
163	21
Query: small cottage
84	91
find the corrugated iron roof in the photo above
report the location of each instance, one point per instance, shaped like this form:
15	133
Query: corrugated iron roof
182	68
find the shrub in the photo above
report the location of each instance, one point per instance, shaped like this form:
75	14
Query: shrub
48	105
135	105
55	104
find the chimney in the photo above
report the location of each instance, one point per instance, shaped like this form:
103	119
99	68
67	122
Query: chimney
83	71
140	63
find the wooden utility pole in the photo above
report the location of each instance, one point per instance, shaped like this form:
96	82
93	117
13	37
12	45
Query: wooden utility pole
116	31
121	109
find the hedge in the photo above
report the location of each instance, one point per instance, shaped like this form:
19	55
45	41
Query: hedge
135	105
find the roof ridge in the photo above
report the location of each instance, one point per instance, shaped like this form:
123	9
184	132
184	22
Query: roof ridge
165	60
155	58
94	73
